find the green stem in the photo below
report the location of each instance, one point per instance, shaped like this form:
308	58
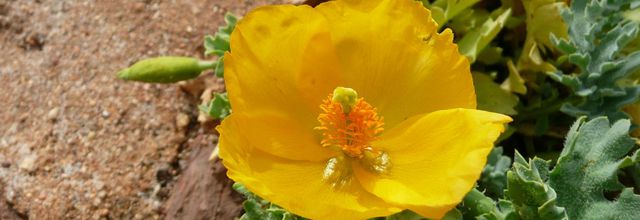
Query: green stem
206	64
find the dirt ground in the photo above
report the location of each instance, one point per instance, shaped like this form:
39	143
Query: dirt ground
76	142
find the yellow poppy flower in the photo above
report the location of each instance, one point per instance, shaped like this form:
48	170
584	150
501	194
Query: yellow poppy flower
353	109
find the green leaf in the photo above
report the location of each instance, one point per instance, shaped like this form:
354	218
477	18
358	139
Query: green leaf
445	10
543	19
493	98
632	15
453	214
219	107
219	69
494	175
218	44
256	208
594	152
165	69
598	34
490	56
477	39
405	215
514	82
476	205
531	196
253	210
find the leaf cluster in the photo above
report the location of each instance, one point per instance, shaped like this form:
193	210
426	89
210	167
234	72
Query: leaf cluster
598	33
577	187
219	43
256	208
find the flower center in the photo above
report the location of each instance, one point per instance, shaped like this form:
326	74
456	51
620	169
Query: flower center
349	125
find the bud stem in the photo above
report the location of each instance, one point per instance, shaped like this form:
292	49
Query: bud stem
206	64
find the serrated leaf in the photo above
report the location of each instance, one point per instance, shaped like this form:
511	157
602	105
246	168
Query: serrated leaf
594	151
531	196
493	98
218	44
219	107
476	205
253	211
256	208
598	34
477	39
494	175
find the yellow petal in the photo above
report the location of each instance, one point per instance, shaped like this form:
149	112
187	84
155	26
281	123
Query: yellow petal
390	52
278	134
281	60
296	186
436	159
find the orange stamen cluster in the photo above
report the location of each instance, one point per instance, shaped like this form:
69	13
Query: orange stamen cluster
352	132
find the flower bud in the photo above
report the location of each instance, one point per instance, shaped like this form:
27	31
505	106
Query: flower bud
165	69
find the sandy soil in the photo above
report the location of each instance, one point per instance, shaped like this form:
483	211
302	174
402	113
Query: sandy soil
77	143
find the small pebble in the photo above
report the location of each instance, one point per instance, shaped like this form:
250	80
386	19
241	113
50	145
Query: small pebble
105	114
182	121
53	114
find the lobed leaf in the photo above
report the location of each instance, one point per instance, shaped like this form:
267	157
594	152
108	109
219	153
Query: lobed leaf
598	34
220	43
219	107
527	189
494	175
587	169
477	39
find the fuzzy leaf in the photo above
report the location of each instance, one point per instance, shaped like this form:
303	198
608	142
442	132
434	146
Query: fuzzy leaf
598	34
256	208
594	151
475	40
494	179
218	44
476	205
219	107
531	196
